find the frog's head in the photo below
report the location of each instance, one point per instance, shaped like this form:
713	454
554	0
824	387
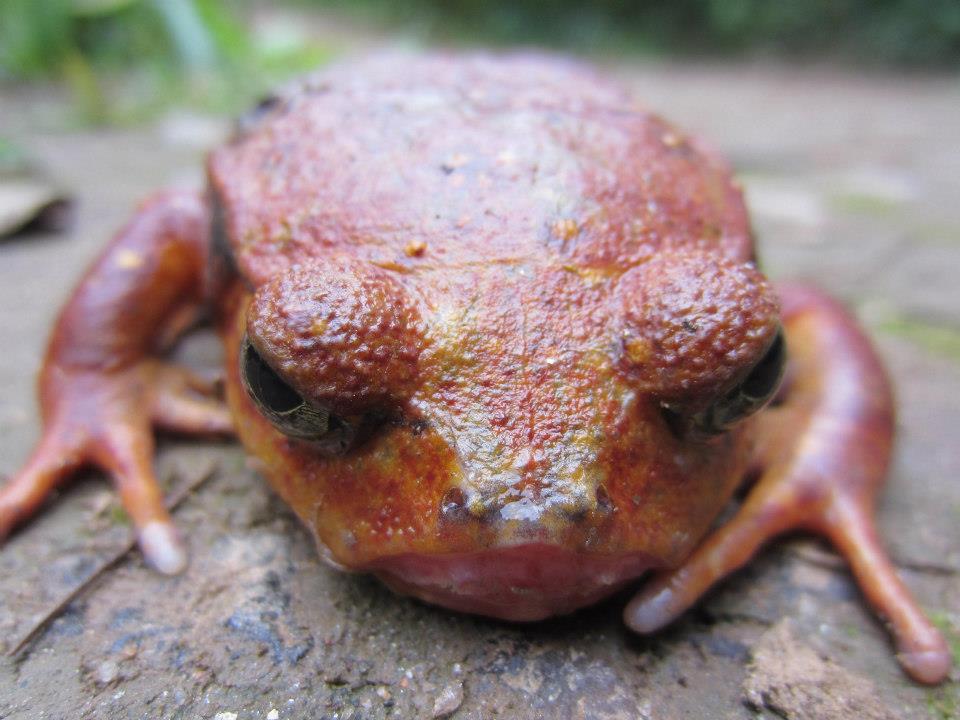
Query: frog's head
532	430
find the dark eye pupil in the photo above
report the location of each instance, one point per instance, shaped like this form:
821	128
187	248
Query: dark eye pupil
750	395
765	376
281	404
266	386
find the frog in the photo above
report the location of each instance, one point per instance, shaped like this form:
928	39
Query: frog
497	334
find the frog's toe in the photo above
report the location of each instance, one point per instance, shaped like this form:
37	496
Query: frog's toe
58	455
921	649
927	666
125	452
824	453
161	545
184	402
667	595
97	420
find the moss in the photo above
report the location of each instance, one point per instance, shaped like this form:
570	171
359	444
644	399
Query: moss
863	204
118	516
936	339
944	702
948	626
851	631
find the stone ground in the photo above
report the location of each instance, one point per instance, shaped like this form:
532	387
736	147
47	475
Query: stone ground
853	181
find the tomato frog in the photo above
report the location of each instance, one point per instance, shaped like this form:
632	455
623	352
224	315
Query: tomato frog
497	335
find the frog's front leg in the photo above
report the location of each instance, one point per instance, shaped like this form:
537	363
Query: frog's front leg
103	386
823	452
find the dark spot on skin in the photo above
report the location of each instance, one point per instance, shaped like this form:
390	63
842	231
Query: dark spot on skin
418	427
674	420
247	122
585	511
604	503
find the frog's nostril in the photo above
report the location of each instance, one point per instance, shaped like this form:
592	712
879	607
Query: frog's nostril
587	508
604	503
453	505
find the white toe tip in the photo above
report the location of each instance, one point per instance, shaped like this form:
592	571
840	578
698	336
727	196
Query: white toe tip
162	547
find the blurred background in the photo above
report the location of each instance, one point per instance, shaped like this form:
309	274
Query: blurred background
840	118
122	59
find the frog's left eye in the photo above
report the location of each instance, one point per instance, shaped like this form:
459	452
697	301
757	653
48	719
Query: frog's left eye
749	395
283	406
701	335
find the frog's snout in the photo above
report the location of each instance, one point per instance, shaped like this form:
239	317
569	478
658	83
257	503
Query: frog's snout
543	497
530	504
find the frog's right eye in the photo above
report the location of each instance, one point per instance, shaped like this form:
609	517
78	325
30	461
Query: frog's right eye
342	335
283	406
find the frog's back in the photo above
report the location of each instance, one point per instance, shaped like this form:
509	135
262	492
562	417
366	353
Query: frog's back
420	162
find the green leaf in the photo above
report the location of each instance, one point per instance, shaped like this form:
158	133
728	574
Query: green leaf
92	8
190	36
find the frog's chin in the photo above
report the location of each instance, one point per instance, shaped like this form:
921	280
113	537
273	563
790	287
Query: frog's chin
519	583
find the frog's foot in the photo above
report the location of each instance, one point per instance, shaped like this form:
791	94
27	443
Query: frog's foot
105	419
185	403
825	451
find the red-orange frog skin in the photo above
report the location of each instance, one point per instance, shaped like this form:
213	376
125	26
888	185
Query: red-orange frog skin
497	336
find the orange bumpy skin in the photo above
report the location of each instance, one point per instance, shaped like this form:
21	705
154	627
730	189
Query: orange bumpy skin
495	334
500	225
342	333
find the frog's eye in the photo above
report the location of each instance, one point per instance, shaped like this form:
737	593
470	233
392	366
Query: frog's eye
749	395
343	334
700	335
283	406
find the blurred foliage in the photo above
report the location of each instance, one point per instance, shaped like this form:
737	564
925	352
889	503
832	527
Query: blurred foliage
891	32
124	58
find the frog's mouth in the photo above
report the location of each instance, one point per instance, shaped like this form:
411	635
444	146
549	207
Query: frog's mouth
519	583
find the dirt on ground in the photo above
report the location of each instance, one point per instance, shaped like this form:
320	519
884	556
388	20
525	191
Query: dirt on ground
790	679
853	181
